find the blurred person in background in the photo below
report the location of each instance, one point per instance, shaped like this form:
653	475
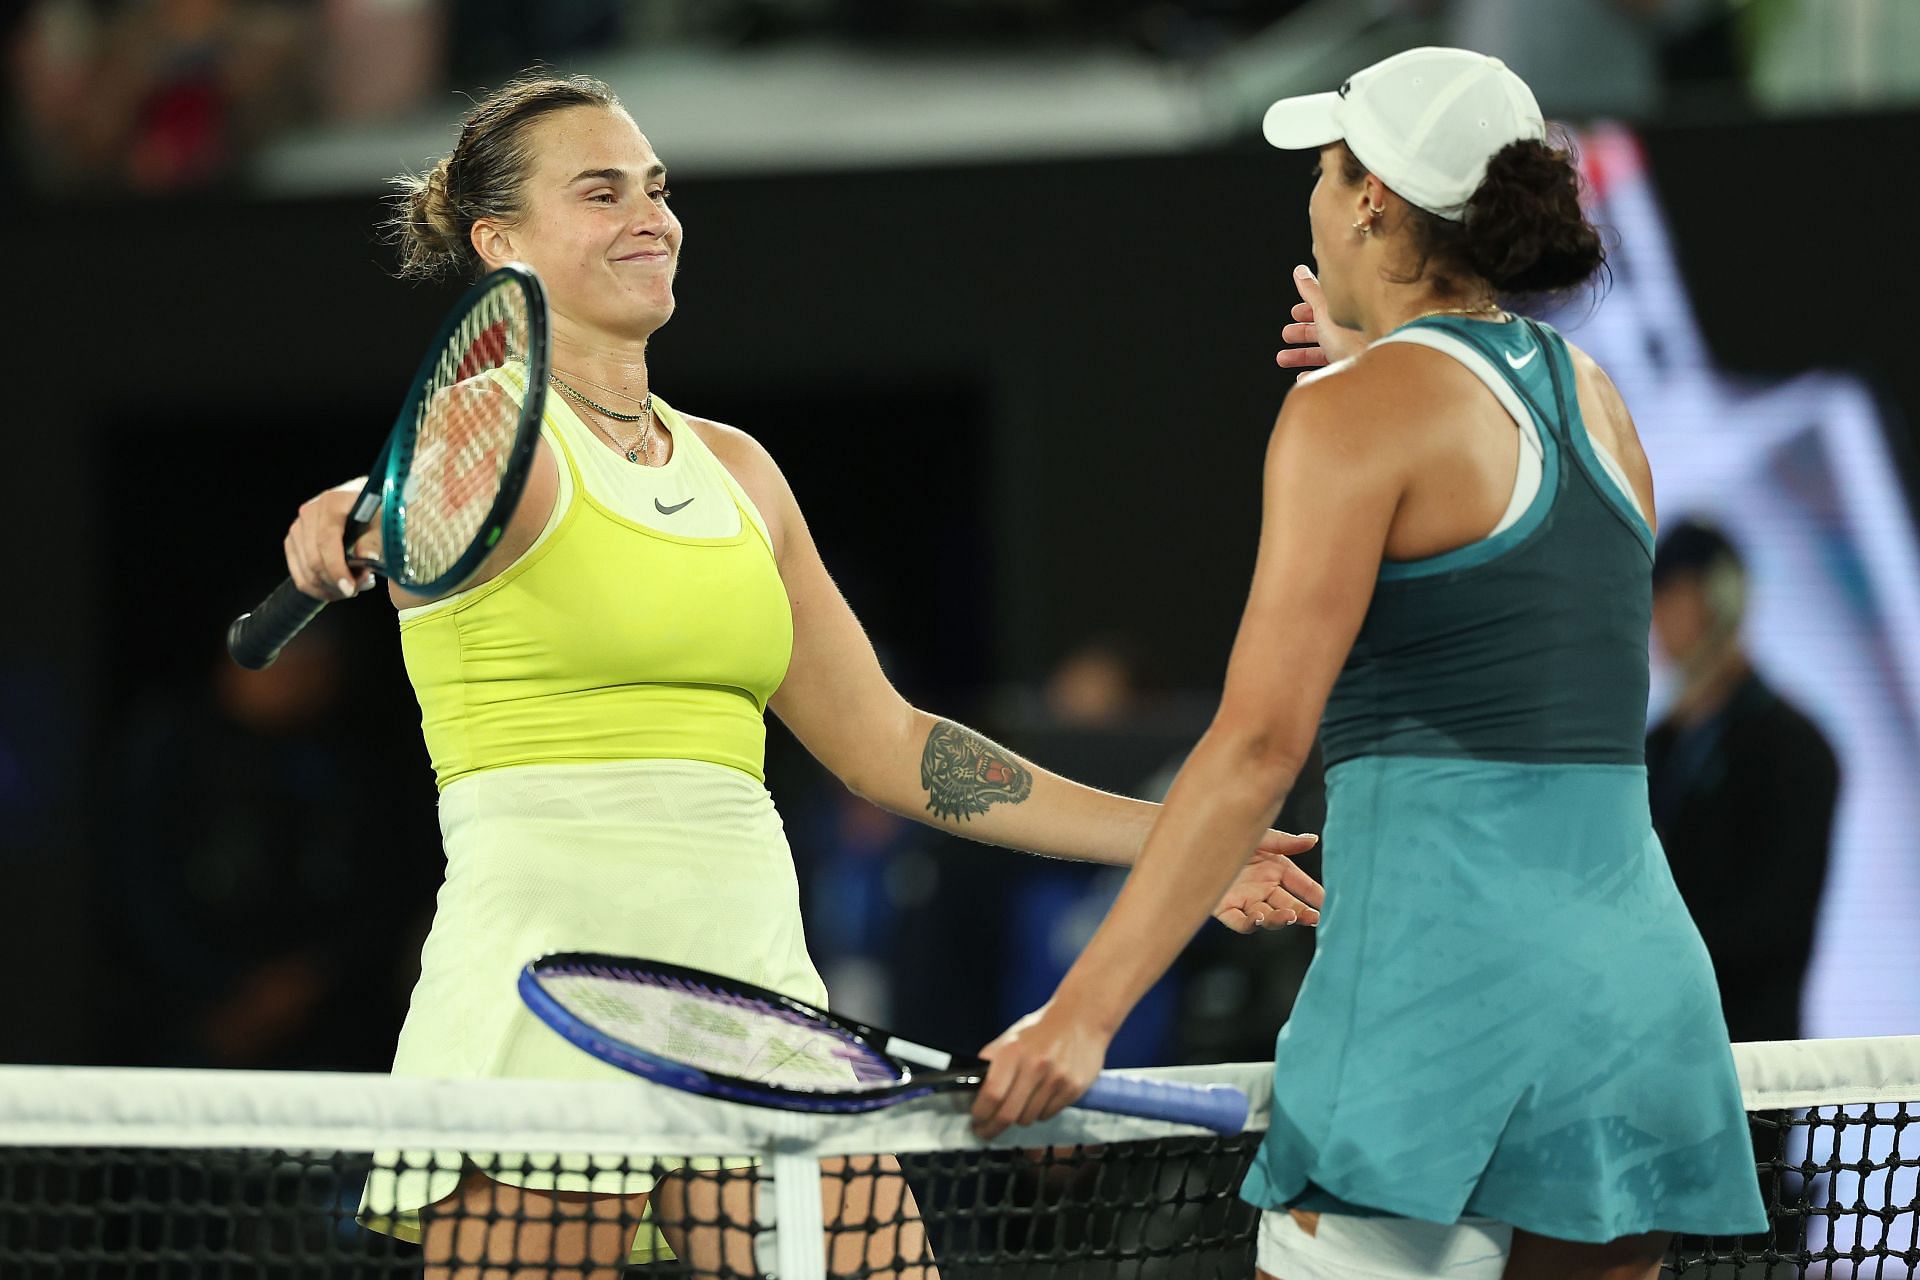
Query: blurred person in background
1096	714
1743	788
248	939
1100	684
156	96
1102	712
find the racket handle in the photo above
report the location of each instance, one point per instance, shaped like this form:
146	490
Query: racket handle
255	639
1219	1107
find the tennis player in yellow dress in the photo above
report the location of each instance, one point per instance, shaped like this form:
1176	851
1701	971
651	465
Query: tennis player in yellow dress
593	700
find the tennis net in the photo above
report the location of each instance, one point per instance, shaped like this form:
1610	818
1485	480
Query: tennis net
190	1174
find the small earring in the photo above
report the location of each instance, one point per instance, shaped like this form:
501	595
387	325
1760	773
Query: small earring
1364	228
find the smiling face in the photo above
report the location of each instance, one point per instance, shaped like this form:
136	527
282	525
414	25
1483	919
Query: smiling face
595	224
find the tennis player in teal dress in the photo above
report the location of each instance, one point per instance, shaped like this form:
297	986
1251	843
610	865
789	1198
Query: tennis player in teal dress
1508	1058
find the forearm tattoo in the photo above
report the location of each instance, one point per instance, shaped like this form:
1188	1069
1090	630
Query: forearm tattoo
965	774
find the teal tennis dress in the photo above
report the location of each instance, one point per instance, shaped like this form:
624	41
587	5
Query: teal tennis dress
1510	1014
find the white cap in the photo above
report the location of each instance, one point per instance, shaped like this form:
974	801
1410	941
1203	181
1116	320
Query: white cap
1425	122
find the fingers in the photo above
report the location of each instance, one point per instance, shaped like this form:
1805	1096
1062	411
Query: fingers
1021	1090
1309	286
1285	844
1049	1100
1301	358
1261	917
316	551
1284	909
1306	351
1002	1096
1269	907
1302	885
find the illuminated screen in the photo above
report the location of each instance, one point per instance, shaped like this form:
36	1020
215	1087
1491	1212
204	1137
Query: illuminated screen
1801	475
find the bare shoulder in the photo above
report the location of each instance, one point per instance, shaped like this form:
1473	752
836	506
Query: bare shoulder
1357	429
1588	373
752	468
1384	393
1600	400
1608	421
1410	370
740	452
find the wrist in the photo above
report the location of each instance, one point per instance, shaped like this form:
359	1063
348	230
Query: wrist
1085	999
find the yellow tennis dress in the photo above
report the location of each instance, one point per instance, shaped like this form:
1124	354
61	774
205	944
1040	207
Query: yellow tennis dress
595	715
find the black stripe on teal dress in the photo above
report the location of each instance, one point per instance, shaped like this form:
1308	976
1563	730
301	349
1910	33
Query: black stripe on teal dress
1509	1013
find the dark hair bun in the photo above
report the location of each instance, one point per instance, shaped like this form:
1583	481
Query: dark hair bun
427	226
1525	229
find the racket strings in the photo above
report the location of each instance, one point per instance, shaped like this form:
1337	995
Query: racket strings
467	419
721	1032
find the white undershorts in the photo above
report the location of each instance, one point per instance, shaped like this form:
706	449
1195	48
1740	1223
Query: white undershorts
1346	1247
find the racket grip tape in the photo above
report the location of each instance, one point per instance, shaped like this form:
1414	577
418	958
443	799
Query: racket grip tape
1219	1107
255	639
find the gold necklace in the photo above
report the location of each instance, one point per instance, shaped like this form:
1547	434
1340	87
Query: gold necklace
602	386
1485	309
642	442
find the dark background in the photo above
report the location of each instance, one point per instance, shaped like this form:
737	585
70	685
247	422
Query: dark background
1021	406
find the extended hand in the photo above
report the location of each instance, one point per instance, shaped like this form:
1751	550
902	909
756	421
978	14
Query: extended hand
1038	1067
1317	340
1270	892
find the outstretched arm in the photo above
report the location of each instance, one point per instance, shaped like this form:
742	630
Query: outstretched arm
842	707
1331	494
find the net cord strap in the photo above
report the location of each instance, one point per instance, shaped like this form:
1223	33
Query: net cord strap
1784	1074
164	1109
142	1107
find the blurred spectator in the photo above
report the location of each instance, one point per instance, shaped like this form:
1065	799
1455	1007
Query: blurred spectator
1743	789
1094	708
1098	685
261	905
382	58
866	869
154	95
1101	716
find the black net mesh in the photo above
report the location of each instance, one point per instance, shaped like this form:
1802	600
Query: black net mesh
1840	1183
1842	1188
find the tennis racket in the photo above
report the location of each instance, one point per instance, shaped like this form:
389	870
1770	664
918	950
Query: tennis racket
710	1035
450	473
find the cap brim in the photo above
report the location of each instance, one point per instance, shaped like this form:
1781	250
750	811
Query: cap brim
1305	123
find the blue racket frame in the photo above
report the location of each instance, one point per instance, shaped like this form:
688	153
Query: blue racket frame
1221	1108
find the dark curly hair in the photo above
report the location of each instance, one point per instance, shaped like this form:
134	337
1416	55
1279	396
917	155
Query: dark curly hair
1524	232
